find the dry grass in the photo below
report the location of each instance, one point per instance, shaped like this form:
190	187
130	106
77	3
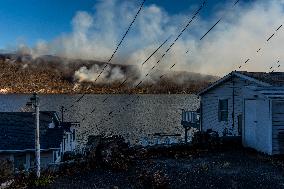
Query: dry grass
45	78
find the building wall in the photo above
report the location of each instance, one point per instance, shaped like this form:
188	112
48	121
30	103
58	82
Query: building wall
278	126
210	101
69	143
46	158
6	157
258	127
26	160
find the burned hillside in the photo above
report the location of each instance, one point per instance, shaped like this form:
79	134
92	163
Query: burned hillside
55	75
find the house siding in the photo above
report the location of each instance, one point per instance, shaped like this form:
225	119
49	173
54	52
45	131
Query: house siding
46	158
258	133
210	100
28	159
278	127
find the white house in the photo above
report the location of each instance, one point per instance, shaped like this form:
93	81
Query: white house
17	138
247	104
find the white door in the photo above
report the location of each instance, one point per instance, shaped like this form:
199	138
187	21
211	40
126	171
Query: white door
250	123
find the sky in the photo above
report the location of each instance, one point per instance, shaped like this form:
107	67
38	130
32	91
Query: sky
32	20
91	29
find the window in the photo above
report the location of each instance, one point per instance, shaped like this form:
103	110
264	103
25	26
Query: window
223	110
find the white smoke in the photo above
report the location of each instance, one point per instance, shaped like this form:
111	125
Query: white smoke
110	75
236	38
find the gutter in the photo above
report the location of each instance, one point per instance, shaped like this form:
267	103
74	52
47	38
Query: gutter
27	150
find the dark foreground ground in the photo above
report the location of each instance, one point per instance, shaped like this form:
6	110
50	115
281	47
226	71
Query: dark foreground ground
234	168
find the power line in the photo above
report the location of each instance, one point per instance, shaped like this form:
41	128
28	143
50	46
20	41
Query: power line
273	68
156	50
265	43
210	29
116	49
172	44
235	3
127	31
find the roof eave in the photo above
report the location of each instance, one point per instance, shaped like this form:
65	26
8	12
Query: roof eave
27	150
216	83
235	73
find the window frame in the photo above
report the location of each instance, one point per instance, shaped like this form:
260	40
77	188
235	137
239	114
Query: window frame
223	111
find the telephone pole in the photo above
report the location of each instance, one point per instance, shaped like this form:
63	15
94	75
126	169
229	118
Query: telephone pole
62	113
35	104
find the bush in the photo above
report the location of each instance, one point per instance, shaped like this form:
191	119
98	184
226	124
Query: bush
208	139
67	156
110	152
29	180
42	181
6	170
157	179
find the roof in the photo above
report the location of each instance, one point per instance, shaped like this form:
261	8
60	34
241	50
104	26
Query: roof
270	92
17	131
265	79
273	78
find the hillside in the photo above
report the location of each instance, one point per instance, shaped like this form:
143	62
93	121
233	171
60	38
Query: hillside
55	75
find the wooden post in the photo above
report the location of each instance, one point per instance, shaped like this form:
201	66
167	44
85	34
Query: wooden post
35	103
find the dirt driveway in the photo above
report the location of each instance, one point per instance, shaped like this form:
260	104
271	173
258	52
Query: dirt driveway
227	169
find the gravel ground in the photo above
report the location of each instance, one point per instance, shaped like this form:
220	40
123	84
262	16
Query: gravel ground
228	169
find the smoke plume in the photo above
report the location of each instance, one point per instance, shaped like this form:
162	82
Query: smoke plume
109	75
236	38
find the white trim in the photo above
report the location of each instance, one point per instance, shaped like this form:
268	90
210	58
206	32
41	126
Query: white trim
215	84
28	150
268	92
226	121
229	76
251	79
275	96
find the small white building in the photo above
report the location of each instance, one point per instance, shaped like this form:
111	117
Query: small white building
247	104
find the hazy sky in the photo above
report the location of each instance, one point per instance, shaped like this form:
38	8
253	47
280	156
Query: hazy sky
27	21
91	29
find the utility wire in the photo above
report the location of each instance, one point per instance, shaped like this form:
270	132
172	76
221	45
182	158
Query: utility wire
172	44
265	43
156	50
127	31
235	3
171	67
273	68
116	49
